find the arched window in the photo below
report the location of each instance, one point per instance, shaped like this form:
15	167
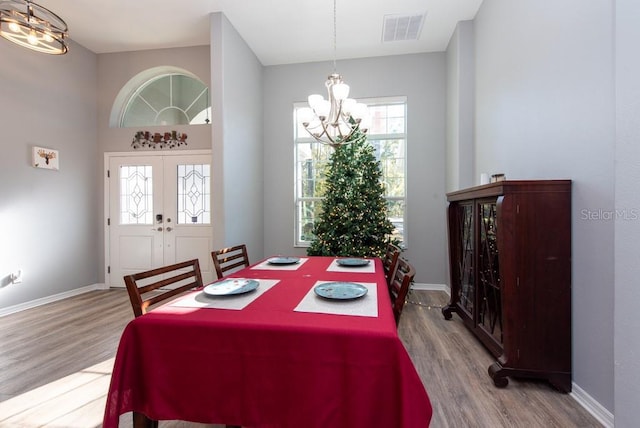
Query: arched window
162	96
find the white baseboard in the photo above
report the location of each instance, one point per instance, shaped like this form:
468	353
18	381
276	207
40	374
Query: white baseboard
50	299
431	287
596	409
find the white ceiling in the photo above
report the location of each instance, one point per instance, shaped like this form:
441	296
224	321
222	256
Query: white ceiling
278	31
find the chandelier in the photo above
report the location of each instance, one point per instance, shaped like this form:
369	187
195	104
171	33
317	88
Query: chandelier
335	120
33	26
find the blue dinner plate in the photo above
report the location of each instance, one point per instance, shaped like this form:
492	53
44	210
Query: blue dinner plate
353	262
231	286
340	290
283	260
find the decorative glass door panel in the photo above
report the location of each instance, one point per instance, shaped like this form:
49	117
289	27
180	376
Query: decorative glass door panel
489	301
136	194
194	194
466	260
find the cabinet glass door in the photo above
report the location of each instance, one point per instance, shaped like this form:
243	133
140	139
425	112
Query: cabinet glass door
466	259
489	303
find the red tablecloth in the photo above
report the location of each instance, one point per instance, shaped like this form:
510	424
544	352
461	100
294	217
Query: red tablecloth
269	366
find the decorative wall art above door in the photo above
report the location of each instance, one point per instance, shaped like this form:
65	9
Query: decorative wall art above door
167	140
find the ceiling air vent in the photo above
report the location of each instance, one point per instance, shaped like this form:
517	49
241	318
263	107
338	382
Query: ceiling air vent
402	27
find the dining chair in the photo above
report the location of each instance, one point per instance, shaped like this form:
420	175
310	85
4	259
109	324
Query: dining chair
399	287
230	258
153	286
390	260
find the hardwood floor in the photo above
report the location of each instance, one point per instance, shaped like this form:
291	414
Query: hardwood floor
453	366
56	360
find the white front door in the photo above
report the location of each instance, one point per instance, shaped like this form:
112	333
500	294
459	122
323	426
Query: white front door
159	213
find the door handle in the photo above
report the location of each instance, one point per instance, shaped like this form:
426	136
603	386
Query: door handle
169	229
158	229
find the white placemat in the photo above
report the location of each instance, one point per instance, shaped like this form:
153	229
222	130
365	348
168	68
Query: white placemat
265	265
335	267
365	306
235	301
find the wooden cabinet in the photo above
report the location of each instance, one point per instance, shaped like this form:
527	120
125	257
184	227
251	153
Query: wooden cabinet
510	266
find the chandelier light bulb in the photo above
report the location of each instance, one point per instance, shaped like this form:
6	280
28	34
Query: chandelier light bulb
305	116
348	105
32	38
314	100
323	109
14	27
340	91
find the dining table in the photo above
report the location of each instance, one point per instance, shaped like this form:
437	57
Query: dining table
282	354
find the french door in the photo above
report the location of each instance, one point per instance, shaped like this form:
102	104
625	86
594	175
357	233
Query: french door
159	213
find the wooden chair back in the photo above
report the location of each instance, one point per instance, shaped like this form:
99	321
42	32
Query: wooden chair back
390	260
230	258
155	285
399	286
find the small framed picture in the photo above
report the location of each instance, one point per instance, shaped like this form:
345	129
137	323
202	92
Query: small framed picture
46	158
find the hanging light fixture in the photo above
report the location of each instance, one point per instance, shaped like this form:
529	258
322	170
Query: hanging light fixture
33	26
335	120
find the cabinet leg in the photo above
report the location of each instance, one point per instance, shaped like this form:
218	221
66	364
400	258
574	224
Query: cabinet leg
559	380
562	382
447	310
499	375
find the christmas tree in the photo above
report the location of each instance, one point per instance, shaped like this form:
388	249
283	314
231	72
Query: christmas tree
354	218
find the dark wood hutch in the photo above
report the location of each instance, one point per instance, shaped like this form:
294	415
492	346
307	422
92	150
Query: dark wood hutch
510	267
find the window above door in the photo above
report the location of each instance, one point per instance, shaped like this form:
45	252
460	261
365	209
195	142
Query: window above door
162	96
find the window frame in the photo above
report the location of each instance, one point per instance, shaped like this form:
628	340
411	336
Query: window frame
306	139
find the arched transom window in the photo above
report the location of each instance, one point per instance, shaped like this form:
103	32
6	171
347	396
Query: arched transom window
162	96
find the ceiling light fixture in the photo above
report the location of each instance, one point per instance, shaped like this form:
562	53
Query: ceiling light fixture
336	120
32	26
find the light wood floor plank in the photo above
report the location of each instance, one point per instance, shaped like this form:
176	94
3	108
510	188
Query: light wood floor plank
56	360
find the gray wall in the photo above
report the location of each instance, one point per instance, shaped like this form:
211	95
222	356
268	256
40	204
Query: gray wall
545	109
627	248
47	218
238	150
460	108
419	77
